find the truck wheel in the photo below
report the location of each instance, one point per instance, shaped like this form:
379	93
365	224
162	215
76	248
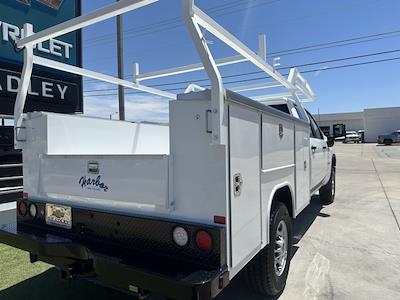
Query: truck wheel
268	271
328	191
387	142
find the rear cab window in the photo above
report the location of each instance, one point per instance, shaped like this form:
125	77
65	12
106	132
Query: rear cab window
315	131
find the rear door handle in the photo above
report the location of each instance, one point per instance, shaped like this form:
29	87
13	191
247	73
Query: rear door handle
313	148
324	147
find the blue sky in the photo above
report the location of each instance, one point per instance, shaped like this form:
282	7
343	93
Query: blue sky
156	38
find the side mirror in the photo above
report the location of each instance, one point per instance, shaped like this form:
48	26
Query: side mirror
331	141
339	130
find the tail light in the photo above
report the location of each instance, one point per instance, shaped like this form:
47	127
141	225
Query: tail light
22	208
204	241
33	210
180	236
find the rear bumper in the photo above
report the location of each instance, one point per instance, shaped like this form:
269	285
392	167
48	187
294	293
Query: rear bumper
78	261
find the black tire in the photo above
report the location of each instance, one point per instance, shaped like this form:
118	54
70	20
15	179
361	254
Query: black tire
260	274
387	142
328	191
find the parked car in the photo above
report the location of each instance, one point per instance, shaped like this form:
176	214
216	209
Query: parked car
388	139
361	134
351	136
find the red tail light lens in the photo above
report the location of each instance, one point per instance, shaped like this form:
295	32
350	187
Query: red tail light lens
22	208
204	241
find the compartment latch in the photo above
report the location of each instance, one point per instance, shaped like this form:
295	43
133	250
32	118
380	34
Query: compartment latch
237	184
93	167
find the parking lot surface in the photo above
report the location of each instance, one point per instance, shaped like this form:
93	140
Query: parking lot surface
348	250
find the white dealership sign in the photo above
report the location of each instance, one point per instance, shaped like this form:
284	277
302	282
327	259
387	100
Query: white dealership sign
50	90
11	33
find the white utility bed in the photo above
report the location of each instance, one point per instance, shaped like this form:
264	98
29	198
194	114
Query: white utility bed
96	162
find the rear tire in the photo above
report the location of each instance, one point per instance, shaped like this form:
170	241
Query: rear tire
328	191
387	142
267	272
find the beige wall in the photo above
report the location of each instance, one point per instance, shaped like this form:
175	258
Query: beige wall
374	121
353	121
381	120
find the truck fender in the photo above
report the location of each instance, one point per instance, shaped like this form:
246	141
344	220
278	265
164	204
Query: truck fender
291	209
331	164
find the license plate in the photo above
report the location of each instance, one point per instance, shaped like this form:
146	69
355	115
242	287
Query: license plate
60	216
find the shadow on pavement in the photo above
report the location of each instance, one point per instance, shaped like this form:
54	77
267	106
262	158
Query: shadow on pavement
304	221
49	286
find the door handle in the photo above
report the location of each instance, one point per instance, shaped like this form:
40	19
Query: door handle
324	147
313	148
237	184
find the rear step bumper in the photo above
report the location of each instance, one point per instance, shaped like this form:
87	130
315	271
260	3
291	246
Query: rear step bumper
78	261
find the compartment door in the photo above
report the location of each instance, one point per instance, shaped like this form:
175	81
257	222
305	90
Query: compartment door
127	183
245	182
302	167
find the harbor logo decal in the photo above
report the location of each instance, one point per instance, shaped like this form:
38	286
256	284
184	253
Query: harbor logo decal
94	184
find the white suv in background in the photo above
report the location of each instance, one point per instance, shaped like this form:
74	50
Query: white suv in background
351	136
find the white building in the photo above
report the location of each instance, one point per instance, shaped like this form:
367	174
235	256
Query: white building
374	121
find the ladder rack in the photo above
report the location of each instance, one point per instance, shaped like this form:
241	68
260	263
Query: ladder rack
196	21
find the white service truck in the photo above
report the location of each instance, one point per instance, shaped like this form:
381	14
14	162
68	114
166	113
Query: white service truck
176	209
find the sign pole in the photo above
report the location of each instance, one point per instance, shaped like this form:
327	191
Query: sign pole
120	54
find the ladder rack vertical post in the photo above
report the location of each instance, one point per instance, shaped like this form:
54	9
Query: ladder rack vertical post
24	85
262	45
219	136
136	72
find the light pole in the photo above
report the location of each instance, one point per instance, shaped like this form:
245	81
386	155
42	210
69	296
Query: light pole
120	54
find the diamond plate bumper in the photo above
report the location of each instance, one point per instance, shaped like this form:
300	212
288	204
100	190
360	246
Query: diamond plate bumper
78	261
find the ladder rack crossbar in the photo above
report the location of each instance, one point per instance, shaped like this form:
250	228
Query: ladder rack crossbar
99	76
189	68
80	22
226	37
